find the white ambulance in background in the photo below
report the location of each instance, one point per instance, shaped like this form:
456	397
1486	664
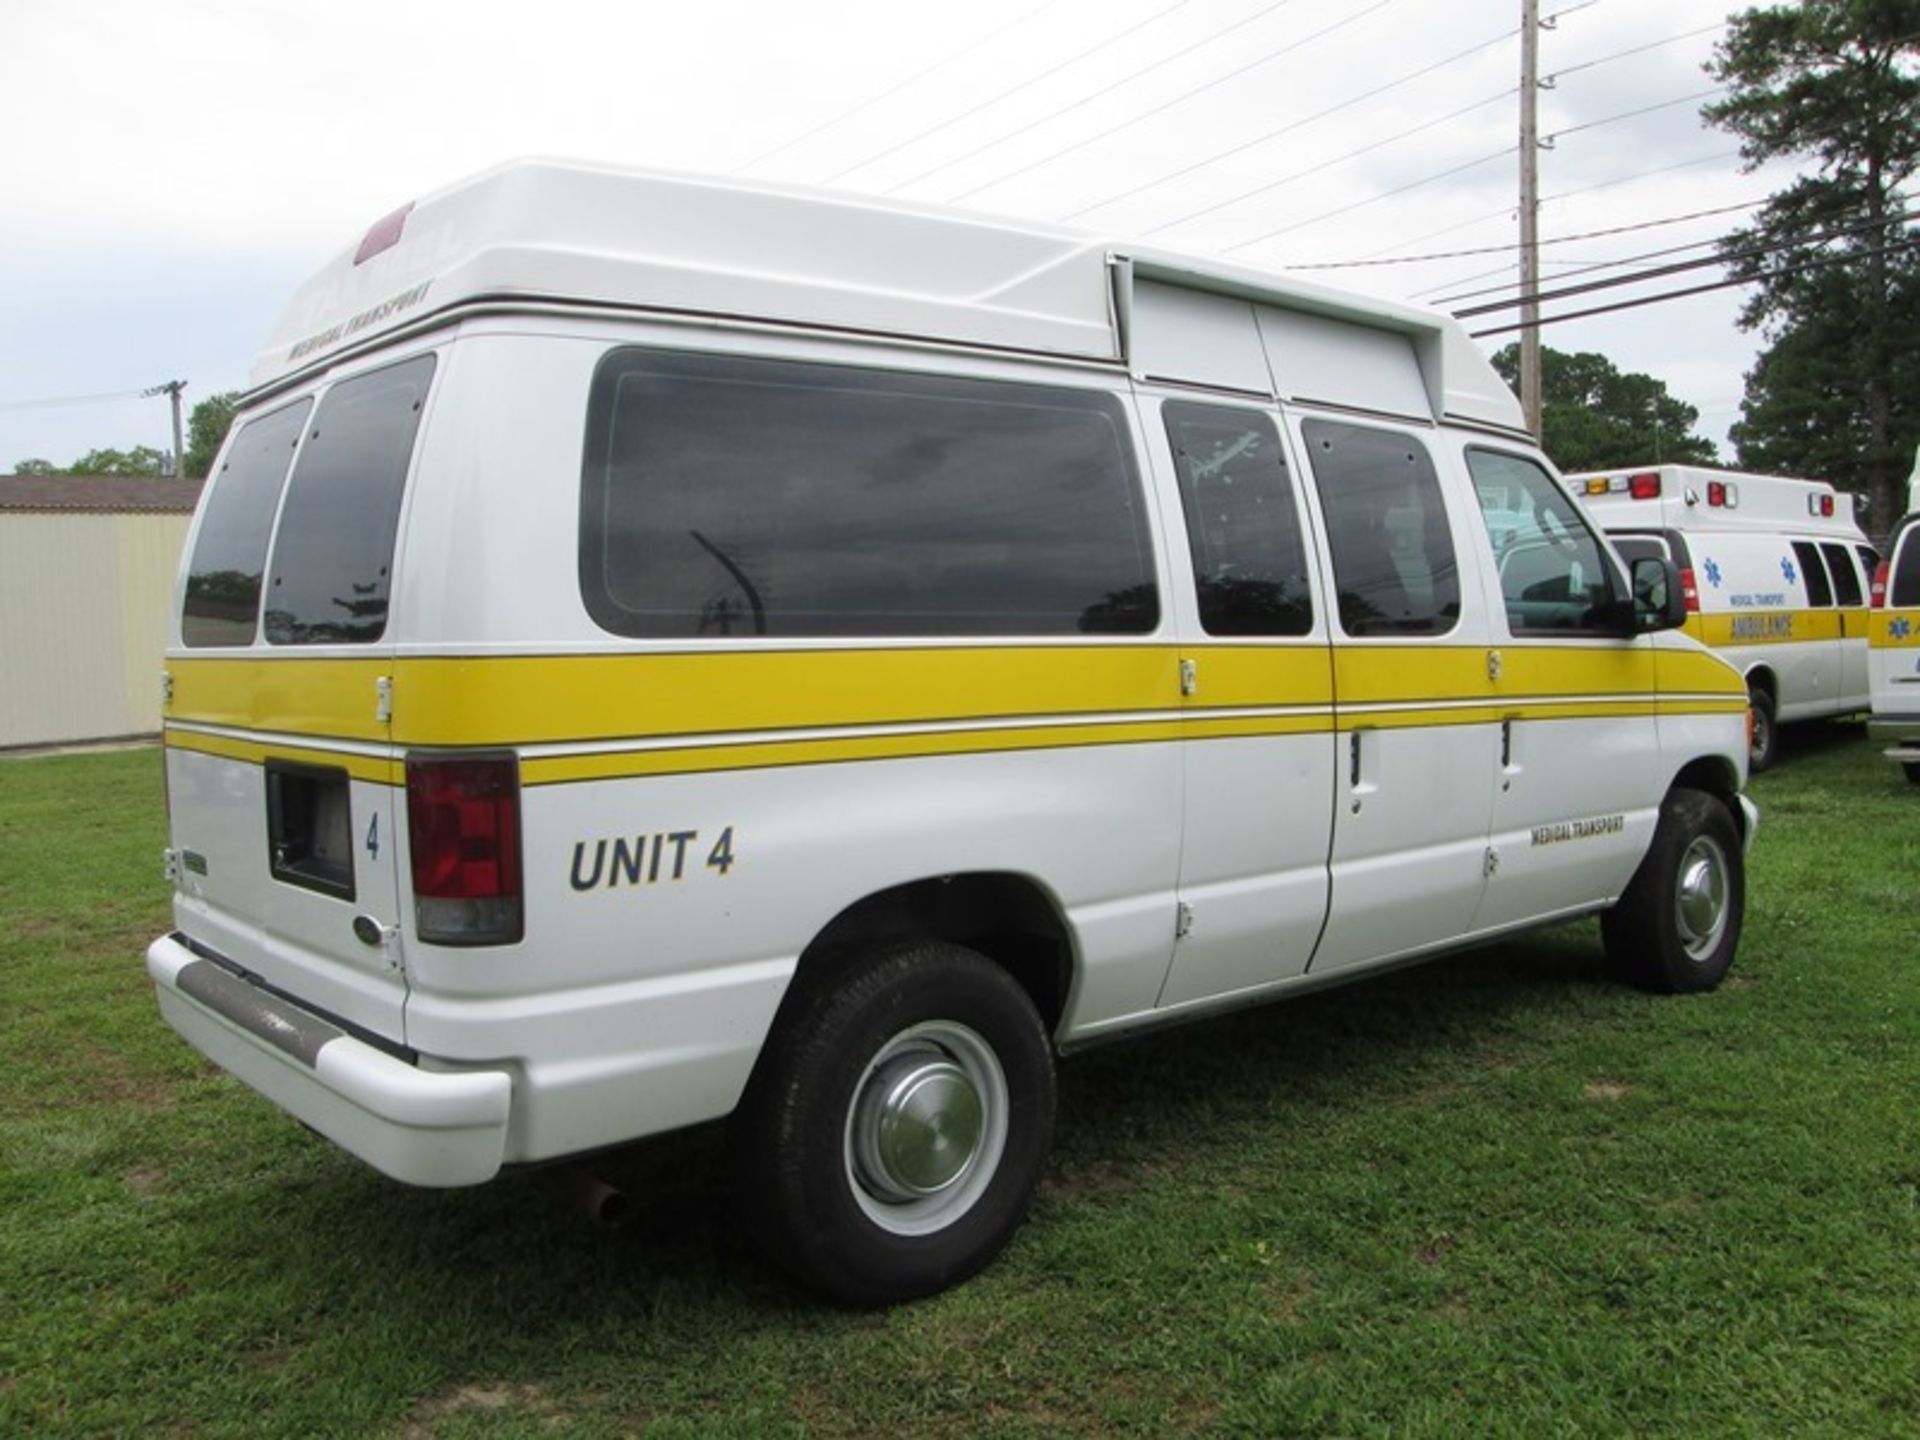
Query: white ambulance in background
1776	574
1893	655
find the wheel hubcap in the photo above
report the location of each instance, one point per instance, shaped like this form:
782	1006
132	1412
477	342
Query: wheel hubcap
919	1126
1701	900
927	1127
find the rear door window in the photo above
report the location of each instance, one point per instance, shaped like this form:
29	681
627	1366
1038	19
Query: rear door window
1393	562
333	552
1243	526
1814	571
727	498
230	554
1847	589
1903	585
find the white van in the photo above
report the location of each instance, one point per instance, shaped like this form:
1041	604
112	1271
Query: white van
1894	649
1775	572
656	649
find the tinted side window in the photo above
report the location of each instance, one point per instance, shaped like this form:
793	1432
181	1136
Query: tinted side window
230	555
724	497
1243	527
1869	562
334	548
1639	547
1903	585
1554	576
1819	590
1393	560
1846	580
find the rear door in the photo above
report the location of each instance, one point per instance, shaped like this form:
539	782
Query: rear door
281	779
1822	629
1850	598
1894	658
1415	744
1259	790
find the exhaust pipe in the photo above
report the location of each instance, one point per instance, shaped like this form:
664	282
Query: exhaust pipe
605	1205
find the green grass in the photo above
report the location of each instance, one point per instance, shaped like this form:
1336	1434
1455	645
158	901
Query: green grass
1494	1195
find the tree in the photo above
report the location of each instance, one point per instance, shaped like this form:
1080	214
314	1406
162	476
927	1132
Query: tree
207	428
141	460
36	467
1598	417
1836	393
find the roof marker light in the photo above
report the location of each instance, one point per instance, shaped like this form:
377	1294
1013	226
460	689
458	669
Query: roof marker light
384	235
1596	487
1716	492
1644	487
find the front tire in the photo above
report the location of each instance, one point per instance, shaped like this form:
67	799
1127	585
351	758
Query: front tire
896	1124
1676	927
1765	746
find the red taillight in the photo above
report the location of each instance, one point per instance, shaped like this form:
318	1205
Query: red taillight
1880	586
1689	592
1644	487
1716	493
463	823
1826	506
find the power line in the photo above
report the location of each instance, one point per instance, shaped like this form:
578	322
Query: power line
1008	93
1636	50
54	400
1177	100
1556	240
1753	252
1414	185
911	80
1666	295
1547	140
1292	125
1376	199
1286	180
1067	109
1507	210
1665	251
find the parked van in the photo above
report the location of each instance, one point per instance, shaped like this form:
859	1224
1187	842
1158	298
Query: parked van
1894	649
1775	572
656	649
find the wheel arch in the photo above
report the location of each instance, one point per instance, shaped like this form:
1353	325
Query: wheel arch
1009	917
1717	776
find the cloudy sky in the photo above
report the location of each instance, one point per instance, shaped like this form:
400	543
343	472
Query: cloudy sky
173	168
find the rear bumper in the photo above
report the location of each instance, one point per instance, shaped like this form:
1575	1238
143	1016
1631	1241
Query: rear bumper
1900	731
425	1127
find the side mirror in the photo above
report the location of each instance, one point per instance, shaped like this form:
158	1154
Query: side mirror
1657	600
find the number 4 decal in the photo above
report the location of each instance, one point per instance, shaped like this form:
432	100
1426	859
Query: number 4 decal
373	835
721	856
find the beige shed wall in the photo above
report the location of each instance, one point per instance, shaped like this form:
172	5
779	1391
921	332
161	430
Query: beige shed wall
83	623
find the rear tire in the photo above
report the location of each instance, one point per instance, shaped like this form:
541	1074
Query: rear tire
1676	927
1765	748
896	1124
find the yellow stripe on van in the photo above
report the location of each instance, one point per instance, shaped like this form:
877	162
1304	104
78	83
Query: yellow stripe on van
360	767
335	698
535	699
1765	627
1416	674
956	692
1894	630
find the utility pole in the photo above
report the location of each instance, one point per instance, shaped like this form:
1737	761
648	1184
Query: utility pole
1530	215
172	391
